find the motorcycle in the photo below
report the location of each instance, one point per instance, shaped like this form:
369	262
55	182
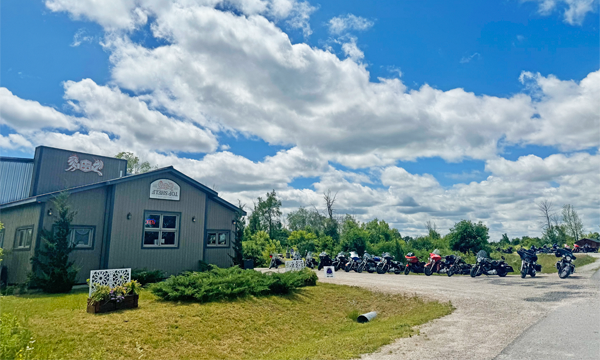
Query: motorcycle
353	262
488	266
458	266
508	250
565	265
413	264
368	264
388	265
528	263
436	264
276	260
324	260
340	261
309	262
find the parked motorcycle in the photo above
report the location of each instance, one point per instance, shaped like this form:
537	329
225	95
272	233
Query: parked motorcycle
340	261
508	250
413	264
276	260
309	262
528	263
389	265
368	264
487	266
435	264
565	265
324	260
459	266
353	262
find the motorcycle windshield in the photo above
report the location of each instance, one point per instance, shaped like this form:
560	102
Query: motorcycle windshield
482	254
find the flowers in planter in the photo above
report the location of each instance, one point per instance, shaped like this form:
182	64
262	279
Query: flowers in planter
104	293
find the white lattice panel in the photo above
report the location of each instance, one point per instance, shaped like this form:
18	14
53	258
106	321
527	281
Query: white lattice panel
110	277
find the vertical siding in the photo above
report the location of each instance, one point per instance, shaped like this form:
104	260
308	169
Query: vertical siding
18	262
15	180
126	235
220	218
89	206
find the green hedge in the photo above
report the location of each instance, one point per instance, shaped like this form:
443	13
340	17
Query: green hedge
231	283
145	276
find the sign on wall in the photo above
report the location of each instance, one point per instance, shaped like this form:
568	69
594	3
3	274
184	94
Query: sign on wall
164	189
84	165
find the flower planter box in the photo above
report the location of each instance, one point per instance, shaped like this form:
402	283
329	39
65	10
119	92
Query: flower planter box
129	302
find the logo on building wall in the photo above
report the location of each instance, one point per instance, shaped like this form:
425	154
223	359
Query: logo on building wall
164	189
84	165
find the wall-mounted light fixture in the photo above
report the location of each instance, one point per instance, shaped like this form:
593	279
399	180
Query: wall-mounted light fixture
128	216
49	212
193	219
233	222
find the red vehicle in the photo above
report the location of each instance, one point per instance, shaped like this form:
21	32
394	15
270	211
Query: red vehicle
577	248
413	264
435	263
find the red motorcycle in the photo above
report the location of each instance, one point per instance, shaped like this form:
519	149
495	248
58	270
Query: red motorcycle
435	263
413	264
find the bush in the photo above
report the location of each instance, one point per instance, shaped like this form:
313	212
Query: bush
226	284
14	339
145	276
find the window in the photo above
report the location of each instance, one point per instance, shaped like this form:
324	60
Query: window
82	237
23	238
2	238
160	229
218	238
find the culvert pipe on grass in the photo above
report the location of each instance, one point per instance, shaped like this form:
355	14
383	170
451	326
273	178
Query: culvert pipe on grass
365	318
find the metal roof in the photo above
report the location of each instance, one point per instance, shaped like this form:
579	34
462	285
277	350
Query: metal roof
15	178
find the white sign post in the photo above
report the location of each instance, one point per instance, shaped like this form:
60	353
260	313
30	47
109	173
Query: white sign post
164	189
329	271
294	265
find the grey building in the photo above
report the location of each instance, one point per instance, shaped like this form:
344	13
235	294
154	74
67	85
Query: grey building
161	219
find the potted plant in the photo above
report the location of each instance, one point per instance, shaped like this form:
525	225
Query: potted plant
105	299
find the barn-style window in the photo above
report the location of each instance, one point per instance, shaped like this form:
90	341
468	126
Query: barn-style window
23	237
216	238
161	230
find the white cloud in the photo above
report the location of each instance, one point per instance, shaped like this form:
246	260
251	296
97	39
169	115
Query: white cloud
467	59
575	11
14	141
341	24
351	50
81	37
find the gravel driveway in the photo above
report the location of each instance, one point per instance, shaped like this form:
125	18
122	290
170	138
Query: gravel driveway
491	312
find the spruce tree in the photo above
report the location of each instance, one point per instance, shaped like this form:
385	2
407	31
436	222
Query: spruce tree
52	270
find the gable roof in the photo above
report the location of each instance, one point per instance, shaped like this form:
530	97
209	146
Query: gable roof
213	195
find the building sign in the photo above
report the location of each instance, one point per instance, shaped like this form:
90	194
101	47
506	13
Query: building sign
164	189
294	265
84	165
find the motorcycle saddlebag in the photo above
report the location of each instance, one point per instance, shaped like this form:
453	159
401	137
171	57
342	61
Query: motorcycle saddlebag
538	267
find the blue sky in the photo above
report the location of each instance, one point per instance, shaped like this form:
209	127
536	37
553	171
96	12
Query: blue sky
484	47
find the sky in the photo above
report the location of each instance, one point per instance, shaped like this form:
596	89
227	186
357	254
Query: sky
410	111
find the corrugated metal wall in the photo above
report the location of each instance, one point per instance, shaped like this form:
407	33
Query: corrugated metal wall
126	236
15	180
17	261
220	218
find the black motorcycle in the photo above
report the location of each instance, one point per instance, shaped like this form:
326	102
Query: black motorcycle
340	261
388	264
487	266
324	260
368	263
459	266
276	260
508	250
309	262
528	263
565	265
353	262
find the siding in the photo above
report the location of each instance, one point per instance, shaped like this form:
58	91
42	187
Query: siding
17	261
125	248
89	206
220	218
15	179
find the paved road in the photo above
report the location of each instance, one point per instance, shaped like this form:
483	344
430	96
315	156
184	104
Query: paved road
577	323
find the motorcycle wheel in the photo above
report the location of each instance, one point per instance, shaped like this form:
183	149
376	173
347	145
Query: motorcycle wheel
428	270
474	271
564	273
533	273
381	270
523	273
398	271
360	268
370	270
450	272
320	267
347	268
502	273
407	271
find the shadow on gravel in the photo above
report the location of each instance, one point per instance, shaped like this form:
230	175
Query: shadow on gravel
553	296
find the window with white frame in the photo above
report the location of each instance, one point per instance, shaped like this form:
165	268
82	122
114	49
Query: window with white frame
23	237
82	237
217	238
161	229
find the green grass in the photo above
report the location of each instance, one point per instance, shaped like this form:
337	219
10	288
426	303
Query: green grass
312	323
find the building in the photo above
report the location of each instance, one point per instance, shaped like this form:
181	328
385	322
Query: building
161	219
593	243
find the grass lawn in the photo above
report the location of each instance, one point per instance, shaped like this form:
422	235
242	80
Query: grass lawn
313	323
